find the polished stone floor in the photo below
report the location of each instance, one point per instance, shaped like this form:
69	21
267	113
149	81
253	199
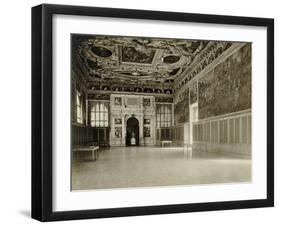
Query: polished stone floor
123	167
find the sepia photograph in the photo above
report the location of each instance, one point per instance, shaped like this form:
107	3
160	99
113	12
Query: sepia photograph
156	111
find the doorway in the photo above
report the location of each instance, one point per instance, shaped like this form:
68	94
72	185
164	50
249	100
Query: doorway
132	132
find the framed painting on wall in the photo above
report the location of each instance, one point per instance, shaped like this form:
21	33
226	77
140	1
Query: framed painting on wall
206	105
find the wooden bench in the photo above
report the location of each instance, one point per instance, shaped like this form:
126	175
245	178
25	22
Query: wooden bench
92	149
163	142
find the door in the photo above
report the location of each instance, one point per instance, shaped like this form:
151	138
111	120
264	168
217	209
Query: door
132	132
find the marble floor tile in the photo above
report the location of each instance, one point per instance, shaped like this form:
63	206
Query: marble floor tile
124	167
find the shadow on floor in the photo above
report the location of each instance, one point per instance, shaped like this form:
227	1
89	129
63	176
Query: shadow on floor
25	213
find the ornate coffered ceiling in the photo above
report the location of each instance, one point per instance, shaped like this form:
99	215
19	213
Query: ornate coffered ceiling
136	64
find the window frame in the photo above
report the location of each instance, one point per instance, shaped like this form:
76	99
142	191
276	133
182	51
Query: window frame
164	115
103	115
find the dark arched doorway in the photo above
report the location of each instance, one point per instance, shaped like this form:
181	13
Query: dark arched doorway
132	132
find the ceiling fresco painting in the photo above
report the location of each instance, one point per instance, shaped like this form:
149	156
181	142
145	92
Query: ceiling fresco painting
151	64
137	55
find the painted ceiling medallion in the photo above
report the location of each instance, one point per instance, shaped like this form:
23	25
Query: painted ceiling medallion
174	71
171	59
101	51
138	55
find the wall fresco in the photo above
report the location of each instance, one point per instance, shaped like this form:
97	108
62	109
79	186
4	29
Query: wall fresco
118	101
118	132
146	121
181	108
227	88
146	131
118	121
146	102
164	99
193	93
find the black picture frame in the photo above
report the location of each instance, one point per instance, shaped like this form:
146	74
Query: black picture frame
42	107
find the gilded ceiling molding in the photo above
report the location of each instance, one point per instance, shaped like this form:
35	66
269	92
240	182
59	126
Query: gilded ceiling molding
135	60
142	65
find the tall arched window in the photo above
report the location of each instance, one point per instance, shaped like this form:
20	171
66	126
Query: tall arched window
164	115
164	121
99	114
79	115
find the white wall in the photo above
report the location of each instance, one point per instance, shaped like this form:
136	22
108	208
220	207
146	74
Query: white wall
15	112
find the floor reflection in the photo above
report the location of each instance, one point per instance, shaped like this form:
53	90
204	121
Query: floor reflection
123	167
